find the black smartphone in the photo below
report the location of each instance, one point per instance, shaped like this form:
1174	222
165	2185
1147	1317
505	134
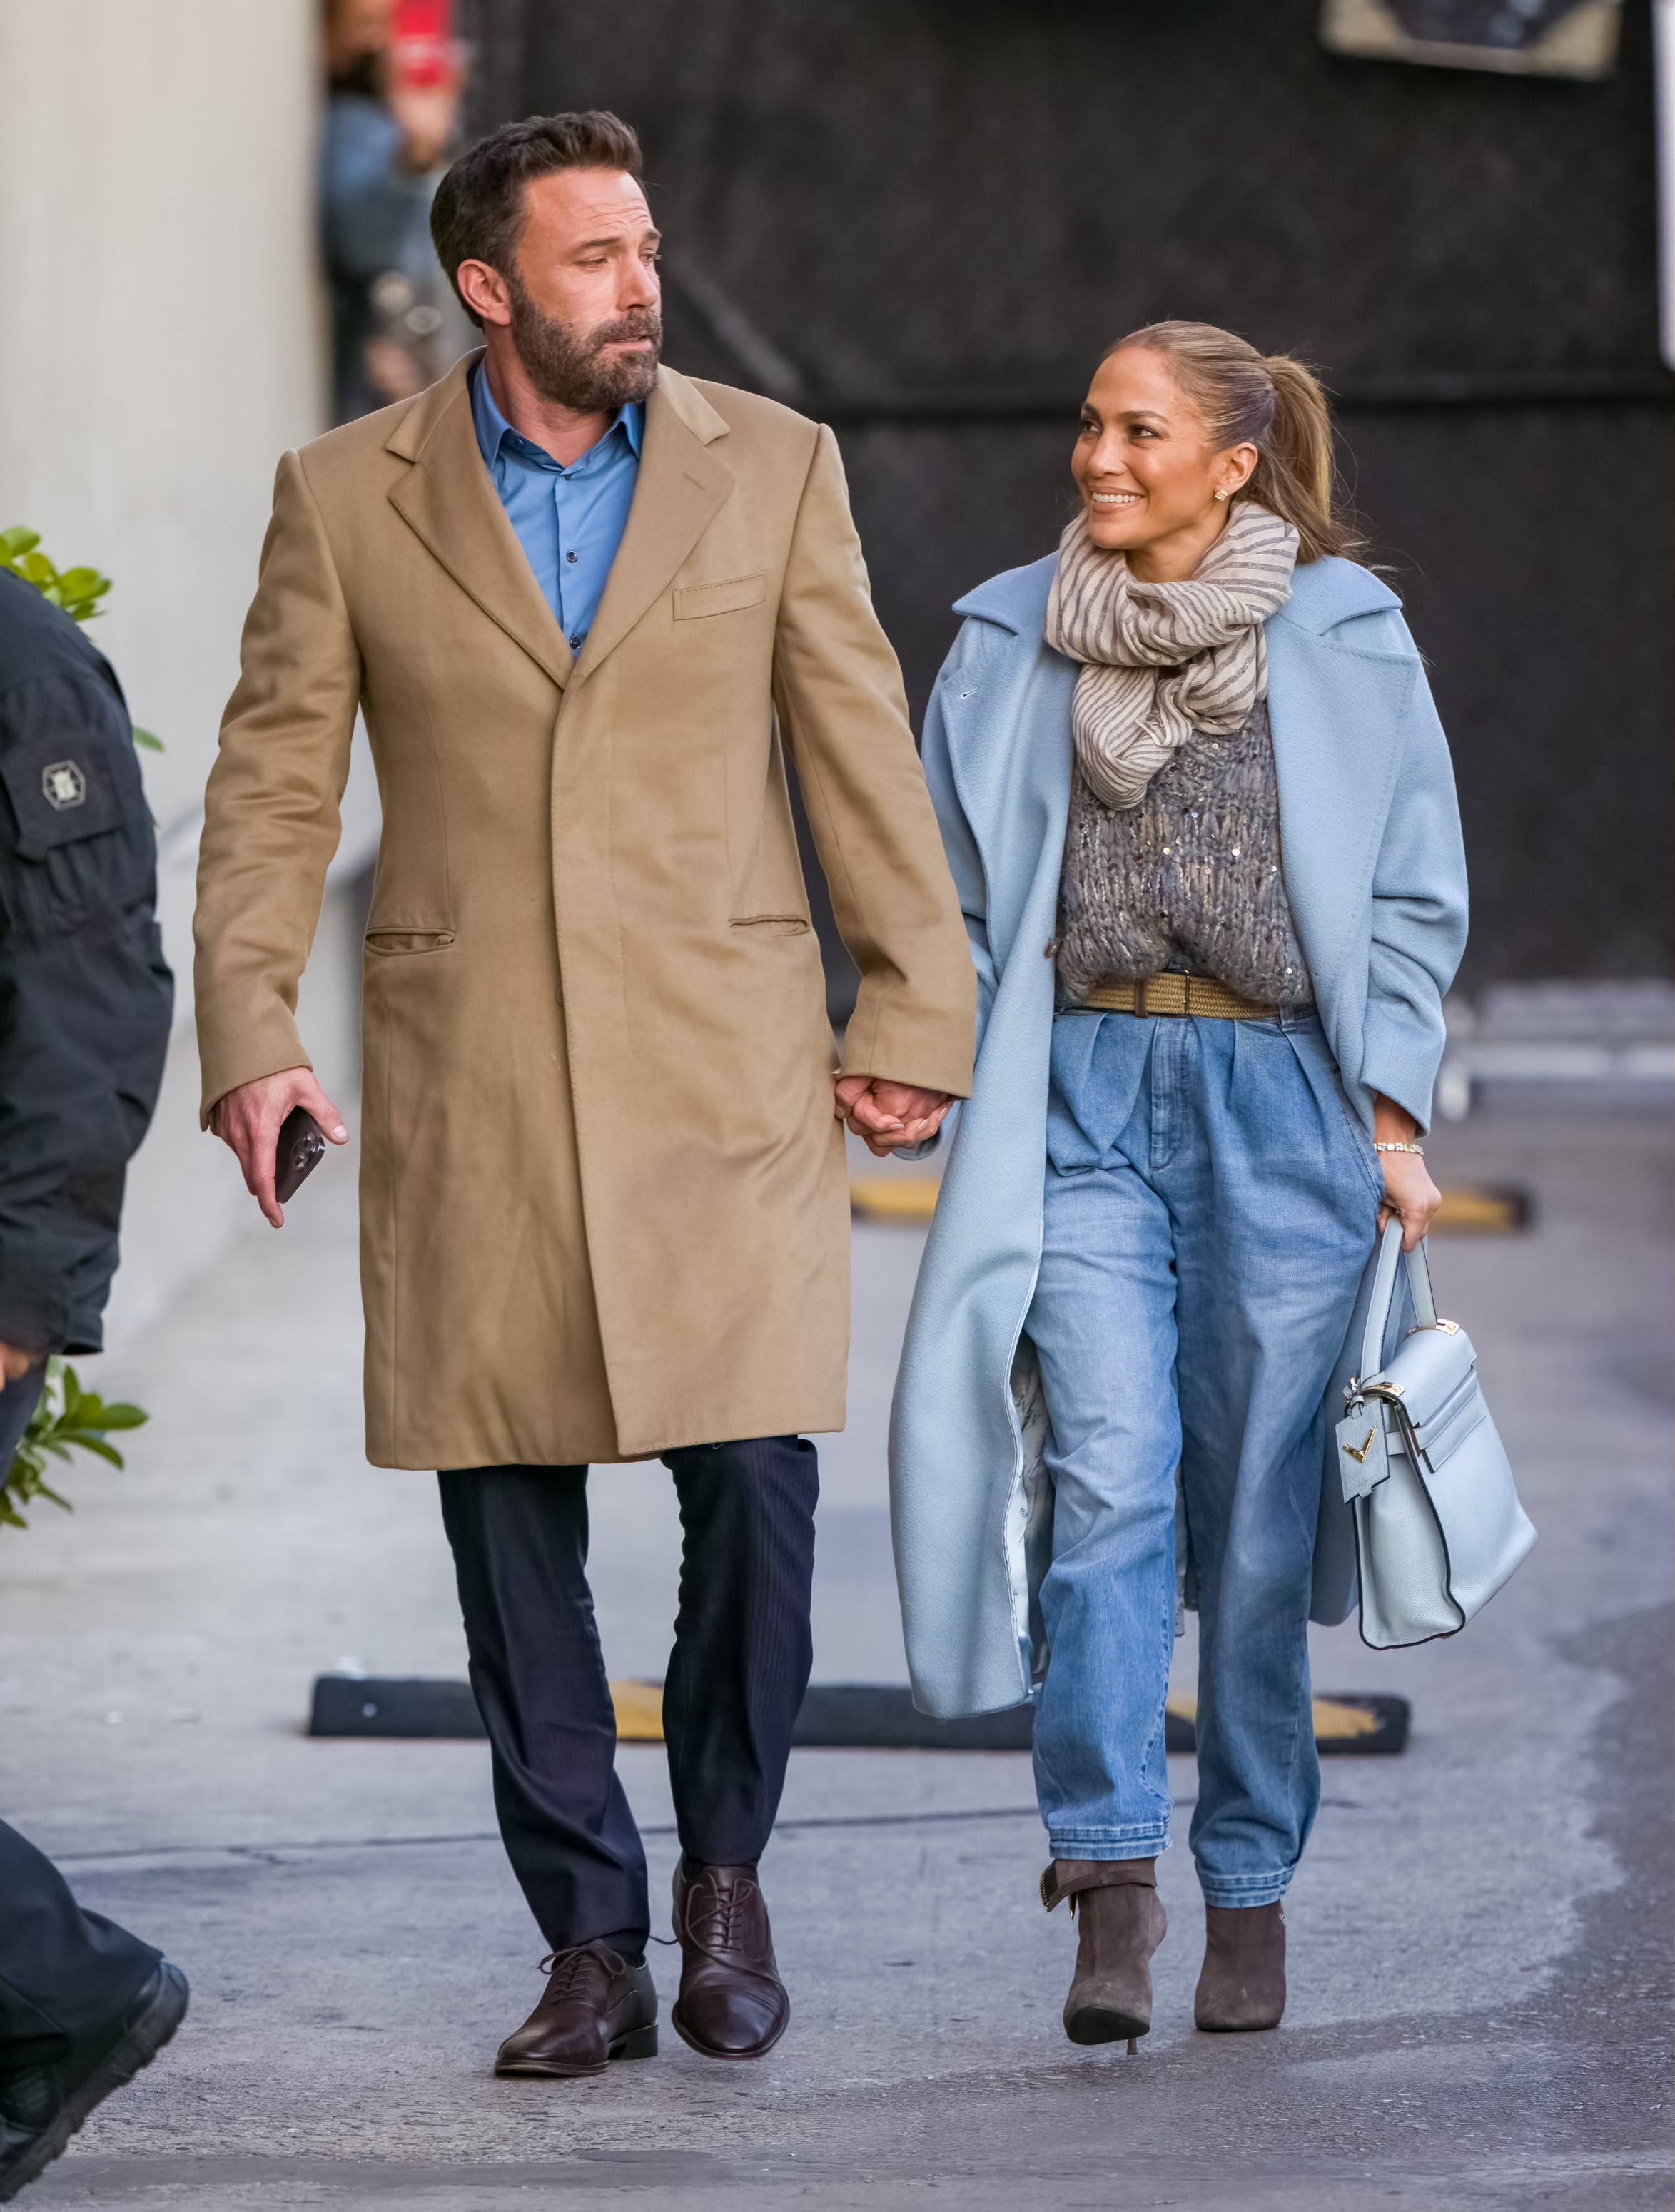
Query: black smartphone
302	1149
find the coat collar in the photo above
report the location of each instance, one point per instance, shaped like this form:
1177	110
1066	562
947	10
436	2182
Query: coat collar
448	499
1330	591
1017	599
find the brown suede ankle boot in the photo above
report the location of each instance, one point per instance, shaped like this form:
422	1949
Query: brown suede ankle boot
1242	1986
1121	1920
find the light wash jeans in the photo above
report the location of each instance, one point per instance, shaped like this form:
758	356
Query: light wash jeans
1210	1207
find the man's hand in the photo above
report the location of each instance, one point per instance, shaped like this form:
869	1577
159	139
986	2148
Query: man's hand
888	1115
249	1118
16	1362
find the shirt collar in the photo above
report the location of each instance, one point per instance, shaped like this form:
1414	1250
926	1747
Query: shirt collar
493	429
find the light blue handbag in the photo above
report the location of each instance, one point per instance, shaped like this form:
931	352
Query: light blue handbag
1438	1525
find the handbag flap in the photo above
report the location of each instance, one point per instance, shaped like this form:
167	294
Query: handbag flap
1430	1368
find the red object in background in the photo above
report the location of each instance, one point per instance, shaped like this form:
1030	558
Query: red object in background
423	47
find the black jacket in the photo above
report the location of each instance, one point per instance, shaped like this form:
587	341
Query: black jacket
86	999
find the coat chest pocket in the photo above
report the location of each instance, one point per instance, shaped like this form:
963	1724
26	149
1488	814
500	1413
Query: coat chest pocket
731	596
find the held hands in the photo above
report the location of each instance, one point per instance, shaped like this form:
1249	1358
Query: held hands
888	1115
1409	1195
249	1118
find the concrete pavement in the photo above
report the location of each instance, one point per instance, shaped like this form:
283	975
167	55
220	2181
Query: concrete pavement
1479	1934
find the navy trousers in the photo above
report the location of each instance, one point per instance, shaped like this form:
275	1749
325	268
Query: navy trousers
735	1684
64	1973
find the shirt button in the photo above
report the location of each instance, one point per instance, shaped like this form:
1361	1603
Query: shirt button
570	556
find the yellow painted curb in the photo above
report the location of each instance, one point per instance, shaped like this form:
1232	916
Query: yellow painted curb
639	1710
910	1200
639	1707
1333	1723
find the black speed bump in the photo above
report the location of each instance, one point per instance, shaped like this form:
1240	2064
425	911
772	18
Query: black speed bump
393	1705
835	1716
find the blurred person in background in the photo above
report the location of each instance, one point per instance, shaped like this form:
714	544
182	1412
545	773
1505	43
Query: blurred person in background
1194	758
85	1006
586	603
392	110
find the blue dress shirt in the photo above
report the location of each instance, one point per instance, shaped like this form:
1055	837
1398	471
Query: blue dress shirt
570	521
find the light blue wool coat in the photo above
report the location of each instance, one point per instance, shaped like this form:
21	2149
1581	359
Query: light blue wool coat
1374	869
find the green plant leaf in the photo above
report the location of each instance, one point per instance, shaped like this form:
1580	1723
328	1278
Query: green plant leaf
147	742
66	1419
18	540
87	1441
119	1415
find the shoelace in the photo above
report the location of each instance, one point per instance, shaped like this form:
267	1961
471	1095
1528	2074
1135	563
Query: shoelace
566	1970
711	1909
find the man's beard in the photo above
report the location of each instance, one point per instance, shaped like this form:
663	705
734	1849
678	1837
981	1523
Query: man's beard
571	368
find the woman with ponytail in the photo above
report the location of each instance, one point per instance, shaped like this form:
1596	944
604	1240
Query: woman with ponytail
1192	760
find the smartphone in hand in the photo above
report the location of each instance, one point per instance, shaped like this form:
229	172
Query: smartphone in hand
302	1149
422	42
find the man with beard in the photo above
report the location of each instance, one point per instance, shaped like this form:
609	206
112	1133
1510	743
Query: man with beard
584	603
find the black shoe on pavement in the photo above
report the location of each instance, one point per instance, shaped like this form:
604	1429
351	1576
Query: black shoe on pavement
42	2106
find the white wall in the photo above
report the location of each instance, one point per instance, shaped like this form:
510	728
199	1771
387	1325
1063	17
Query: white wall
164	343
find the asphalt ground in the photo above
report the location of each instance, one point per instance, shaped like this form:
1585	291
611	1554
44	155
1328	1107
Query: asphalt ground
1480	1933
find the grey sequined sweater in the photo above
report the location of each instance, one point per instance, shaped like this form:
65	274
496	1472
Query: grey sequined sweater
1189	878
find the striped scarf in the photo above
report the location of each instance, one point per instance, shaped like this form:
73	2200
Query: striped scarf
1162	661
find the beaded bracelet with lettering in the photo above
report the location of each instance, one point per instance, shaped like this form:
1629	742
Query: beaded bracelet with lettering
1418	1151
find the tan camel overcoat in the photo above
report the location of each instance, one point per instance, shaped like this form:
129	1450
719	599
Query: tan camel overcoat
604	1209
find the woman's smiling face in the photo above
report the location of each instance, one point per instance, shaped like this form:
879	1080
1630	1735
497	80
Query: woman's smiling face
1145	469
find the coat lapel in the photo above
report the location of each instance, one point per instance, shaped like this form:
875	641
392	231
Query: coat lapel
682	485
448	498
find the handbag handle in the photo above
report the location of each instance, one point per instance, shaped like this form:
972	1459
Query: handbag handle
1384	1290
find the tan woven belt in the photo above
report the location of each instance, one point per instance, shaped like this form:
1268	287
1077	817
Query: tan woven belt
1175	995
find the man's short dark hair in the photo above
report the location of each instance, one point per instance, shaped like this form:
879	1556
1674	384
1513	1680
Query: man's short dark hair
478	214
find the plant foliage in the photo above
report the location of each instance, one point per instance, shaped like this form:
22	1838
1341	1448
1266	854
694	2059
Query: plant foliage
78	591
68	1419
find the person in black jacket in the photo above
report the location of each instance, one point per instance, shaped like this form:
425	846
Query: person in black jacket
85	1005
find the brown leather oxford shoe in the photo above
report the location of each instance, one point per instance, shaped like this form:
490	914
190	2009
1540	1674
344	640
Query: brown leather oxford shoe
595	2008
731	2002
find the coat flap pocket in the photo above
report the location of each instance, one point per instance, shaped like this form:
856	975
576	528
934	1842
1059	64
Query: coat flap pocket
384	940
773	925
725	598
67	763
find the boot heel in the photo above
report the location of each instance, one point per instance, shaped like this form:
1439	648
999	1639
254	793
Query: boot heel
641	2044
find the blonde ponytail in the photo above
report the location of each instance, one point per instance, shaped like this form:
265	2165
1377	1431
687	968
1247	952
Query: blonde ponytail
1274	404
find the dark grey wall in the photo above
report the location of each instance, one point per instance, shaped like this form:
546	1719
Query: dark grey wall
936	214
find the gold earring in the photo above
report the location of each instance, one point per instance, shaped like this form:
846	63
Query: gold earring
1220	494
